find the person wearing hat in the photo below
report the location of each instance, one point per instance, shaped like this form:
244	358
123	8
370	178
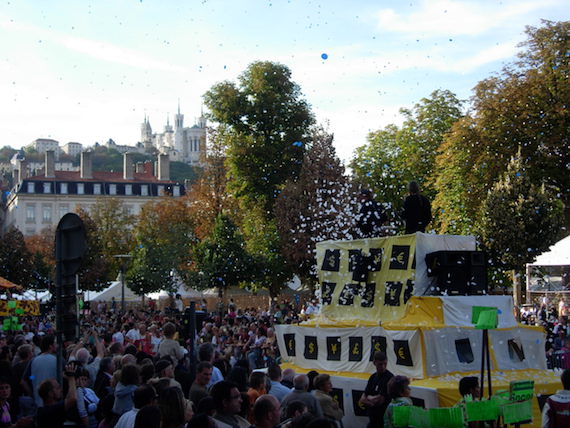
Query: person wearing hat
165	369
370	217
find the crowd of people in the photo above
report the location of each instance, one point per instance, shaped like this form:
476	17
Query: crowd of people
140	369
554	320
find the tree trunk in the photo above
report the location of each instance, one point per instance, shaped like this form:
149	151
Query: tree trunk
517	292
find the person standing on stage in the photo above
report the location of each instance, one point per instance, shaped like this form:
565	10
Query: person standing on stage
417	210
370	217
375	397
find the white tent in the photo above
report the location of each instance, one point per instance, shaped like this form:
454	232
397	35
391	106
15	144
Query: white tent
185	293
550	272
114	290
557	255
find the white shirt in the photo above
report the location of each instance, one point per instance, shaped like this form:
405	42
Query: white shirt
127	420
118	337
133	334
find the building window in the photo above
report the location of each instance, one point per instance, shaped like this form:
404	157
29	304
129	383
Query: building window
46	213
97	189
128	189
47	187
63	210
160	190
31	187
30	213
144	190
63	188
112	189
176	190
80	188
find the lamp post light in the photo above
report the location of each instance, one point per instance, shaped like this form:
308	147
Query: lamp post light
123	260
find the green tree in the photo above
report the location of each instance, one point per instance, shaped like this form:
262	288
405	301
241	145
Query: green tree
320	205
269	121
264	244
41	246
394	156
221	259
209	196
520	220
114	226
164	236
15	259
525	106
95	272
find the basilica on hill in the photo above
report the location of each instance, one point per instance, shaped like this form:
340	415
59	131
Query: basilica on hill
182	144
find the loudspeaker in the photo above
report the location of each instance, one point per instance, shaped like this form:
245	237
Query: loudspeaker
458	272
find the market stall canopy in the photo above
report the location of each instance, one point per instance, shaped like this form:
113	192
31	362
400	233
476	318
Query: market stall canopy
557	255
114	290
185	293
4	283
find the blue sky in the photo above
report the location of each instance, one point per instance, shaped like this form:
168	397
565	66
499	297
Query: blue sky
88	71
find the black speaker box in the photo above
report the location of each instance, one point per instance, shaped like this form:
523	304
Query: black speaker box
458	272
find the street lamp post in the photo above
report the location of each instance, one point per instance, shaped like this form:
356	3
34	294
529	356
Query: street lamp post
123	259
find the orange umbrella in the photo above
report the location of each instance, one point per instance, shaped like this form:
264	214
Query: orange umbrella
4	283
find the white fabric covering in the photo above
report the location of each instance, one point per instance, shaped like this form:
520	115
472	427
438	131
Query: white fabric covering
457	309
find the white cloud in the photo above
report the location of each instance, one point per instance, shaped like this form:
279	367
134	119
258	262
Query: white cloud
453	18
115	54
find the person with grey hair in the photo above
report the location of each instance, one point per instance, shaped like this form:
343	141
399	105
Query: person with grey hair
206	354
299	393
287	377
417	210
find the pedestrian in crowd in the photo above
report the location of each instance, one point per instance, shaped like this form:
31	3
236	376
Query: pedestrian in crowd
129	382
266	412
198	389
42	367
256	390
278	390
323	389
148	417
55	409
376	397
227	401
399	390
470	390
556	410
288	376
143	396
417	210
300	393
172	408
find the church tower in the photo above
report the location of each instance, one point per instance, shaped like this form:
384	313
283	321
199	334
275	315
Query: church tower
178	119
146	134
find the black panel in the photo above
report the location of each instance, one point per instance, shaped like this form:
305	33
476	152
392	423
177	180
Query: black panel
400	257
368	293
311	348
289	340
346	297
377	343
393	292
355	349
331	261
359	409
402	351
327	291
333	348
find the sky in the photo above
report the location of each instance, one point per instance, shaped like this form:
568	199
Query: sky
87	71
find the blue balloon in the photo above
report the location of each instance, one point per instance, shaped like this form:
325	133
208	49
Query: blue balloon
324	56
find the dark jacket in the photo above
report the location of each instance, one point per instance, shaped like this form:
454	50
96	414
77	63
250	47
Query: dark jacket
417	213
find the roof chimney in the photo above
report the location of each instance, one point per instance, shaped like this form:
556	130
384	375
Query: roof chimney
86	165
50	164
128	166
139	168
23	167
163	167
16	175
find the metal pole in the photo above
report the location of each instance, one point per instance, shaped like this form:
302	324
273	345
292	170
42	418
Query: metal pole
123	288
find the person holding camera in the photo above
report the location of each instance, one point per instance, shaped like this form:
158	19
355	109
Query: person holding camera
54	411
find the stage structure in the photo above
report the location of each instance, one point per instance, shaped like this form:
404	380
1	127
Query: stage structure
379	294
